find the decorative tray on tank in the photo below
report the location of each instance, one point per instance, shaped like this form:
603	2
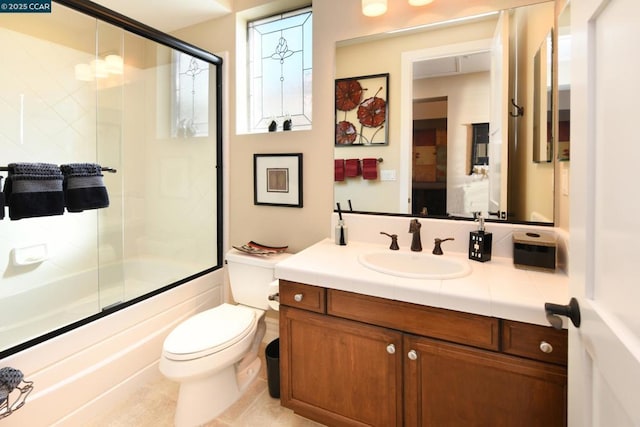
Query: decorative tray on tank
254	248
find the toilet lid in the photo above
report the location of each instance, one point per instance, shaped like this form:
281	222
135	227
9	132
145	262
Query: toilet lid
209	332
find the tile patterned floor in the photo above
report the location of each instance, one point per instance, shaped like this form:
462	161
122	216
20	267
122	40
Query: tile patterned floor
155	403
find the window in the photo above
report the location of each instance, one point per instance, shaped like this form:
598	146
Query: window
191	96
480	145
280	59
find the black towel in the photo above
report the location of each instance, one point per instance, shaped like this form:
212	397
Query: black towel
33	190
84	187
10	378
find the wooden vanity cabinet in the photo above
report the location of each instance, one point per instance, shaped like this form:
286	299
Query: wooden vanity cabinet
357	360
455	385
340	372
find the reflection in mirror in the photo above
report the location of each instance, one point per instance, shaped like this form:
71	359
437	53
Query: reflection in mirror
463	81
423	165
564	83
543	101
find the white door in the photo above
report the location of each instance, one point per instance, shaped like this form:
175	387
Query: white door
604	353
498	134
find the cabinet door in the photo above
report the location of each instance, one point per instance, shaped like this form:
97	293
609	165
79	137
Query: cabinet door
453	385
340	372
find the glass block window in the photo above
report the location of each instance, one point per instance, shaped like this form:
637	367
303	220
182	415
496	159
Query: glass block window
280	59
191	96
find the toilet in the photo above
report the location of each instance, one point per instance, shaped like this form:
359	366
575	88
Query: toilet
214	354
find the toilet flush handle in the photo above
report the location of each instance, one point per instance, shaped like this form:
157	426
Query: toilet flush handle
297	297
274	297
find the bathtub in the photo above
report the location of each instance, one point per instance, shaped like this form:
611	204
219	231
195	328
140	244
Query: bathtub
83	374
49	306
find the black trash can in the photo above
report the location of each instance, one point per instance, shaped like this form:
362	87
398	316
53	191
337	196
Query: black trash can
272	354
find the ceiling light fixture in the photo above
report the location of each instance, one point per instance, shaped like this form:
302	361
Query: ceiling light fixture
379	7
99	68
374	7
114	63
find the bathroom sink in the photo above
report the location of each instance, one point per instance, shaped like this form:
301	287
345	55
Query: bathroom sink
415	265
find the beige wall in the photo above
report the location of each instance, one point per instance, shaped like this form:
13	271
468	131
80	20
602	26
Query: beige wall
333	20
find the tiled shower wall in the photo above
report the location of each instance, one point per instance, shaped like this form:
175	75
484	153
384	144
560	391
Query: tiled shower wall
45	116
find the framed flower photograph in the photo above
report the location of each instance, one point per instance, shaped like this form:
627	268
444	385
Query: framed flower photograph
362	112
277	179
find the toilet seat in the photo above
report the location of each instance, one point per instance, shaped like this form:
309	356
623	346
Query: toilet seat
209	332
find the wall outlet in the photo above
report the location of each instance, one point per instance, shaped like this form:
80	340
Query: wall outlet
387	175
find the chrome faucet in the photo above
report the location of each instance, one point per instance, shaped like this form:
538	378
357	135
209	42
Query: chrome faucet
414	228
437	250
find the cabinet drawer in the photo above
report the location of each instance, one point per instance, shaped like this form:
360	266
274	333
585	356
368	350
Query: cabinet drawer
454	326
536	342
306	297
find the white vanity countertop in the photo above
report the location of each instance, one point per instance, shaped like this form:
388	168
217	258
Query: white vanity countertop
494	288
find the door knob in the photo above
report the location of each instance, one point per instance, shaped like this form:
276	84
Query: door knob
391	349
412	354
571	310
298	297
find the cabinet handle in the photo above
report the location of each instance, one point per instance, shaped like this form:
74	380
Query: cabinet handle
297	297
391	349
545	347
413	355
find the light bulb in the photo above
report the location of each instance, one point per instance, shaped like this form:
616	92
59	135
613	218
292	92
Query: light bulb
374	7
99	68
114	64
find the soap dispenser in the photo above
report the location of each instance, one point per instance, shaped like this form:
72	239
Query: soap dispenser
480	243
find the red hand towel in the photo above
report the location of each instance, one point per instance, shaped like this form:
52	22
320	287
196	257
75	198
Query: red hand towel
338	173
370	168
352	167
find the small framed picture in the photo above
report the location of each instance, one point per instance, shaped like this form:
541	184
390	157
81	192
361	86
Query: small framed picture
362	110
277	179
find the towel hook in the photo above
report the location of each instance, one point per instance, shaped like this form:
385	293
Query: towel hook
519	110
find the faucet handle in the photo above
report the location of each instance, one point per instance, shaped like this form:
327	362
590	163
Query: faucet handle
394	241
437	250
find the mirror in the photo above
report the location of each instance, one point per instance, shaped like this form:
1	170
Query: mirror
543	101
463	74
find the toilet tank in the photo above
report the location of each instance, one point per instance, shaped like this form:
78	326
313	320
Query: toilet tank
250	276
